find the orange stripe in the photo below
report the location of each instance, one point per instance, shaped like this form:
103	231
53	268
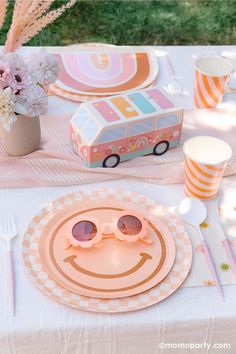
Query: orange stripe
199	188
195	99
213	175
214	168
206	104
205	174
209	90
124	107
197	195
226	79
196	177
218	85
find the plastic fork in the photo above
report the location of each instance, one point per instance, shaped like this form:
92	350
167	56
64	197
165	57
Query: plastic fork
8	231
174	87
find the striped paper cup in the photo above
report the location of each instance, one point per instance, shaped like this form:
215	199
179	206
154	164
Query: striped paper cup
205	160
211	78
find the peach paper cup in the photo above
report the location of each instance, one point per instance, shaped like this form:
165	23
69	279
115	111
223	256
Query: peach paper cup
211	78
206	158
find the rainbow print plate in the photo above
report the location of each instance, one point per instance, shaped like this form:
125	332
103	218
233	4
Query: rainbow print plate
106	71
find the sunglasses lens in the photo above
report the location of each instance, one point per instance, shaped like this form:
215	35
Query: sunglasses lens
129	225
84	231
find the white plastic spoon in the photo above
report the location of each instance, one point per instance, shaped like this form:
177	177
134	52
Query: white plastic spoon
194	212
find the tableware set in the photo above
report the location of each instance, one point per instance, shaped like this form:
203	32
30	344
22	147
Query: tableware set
137	253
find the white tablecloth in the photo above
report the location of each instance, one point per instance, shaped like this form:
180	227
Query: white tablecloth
190	316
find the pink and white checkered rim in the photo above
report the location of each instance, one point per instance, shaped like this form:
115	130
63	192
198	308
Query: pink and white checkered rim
152	296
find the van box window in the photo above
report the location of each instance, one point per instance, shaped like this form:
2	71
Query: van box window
82	117
167	121
141	127
112	135
90	130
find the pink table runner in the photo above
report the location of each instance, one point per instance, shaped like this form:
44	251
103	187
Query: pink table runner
57	164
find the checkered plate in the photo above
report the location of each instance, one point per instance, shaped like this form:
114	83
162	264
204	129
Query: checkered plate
152	296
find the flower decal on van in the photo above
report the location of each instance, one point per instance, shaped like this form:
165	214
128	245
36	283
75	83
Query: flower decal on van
108	151
121	149
85	152
176	134
166	136
73	136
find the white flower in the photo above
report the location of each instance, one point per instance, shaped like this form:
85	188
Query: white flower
43	68
33	101
7	107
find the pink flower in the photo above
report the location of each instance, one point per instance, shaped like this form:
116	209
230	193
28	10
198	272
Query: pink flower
4	75
4	71
19	75
19	79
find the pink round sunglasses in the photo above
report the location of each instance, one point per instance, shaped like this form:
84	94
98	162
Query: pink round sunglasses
88	231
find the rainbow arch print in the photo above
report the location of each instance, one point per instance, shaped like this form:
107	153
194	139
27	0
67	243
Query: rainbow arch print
106	71
141	142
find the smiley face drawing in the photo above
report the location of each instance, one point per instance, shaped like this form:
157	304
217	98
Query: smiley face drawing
110	263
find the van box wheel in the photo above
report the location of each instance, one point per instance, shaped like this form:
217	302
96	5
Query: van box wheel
111	161
161	147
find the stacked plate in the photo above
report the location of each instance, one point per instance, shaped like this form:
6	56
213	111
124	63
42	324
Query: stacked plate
113	275
102	70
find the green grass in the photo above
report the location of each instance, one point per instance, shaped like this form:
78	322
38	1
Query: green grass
166	22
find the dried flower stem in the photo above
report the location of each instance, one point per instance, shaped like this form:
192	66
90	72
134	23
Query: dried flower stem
3	10
30	17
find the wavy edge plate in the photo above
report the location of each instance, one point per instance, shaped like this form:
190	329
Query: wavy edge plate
133	50
170	284
54	90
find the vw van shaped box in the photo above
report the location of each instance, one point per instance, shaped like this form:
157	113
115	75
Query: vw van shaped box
107	131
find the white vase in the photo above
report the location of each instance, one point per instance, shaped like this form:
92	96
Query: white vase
24	136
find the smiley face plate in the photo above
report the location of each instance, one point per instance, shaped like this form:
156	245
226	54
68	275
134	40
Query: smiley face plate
56	292
113	268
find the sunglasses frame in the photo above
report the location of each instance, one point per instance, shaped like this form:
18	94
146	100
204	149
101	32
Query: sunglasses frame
101	229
